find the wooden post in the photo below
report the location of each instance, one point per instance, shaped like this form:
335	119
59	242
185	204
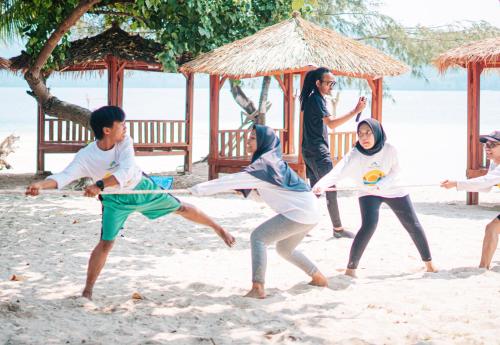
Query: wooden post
377	93
115	81
214	127
301	125
473	145
288	114
40	161
188	158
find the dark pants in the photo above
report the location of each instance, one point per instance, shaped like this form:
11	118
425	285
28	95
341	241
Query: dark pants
318	164
403	208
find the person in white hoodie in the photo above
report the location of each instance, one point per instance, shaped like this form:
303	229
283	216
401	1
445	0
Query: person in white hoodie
373	165
484	184
286	193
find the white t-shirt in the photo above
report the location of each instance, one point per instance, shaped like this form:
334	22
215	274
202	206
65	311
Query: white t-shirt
97	164
374	175
482	183
300	207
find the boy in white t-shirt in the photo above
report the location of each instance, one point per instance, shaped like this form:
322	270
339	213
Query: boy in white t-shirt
484	184
110	162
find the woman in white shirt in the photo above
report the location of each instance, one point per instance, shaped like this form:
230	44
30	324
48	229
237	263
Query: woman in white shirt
286	193
373	164
484	184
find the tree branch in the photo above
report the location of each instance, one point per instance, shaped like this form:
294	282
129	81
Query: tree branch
32	76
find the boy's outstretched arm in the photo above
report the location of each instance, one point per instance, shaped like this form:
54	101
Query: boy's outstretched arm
34	188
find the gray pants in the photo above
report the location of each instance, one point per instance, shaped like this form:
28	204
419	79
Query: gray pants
288	235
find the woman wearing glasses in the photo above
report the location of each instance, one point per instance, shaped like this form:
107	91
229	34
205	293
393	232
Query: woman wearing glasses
373	165
318	84
484	184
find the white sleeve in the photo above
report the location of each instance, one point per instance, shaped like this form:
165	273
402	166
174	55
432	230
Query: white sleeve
126	159
482	183
392	175
74	171
342	169
241	180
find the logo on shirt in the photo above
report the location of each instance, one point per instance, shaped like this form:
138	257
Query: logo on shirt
372	177
113	165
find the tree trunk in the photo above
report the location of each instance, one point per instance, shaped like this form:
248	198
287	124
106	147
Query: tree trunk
247	104
6	148
264	93
50	104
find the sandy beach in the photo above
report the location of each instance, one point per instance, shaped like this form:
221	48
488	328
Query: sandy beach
191	284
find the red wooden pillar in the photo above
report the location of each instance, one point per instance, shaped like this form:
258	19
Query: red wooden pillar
301	123
188	158
289	110
40	155
473	145
214	127
377	93
115	81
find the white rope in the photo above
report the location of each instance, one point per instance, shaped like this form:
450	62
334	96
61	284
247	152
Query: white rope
168	191
355	189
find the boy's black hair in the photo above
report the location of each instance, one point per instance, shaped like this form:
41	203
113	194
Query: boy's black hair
105	117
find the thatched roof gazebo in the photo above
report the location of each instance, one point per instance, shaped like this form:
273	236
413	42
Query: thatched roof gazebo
475	57
283	50
114	50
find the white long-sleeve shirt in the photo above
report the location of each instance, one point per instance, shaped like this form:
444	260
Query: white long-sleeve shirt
482	183
300	207
97	164
374	175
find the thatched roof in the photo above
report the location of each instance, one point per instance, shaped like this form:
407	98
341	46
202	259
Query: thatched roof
295	45
485	51
90	53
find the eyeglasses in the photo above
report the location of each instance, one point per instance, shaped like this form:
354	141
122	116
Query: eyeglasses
491	144
329	83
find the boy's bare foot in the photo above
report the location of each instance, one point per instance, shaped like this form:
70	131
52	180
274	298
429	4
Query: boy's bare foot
351	272
87	294
429	267
318	279
257	291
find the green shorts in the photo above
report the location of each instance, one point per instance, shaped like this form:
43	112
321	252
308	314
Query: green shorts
117	207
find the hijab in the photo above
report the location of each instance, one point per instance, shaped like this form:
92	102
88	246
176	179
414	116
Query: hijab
268	165
378	133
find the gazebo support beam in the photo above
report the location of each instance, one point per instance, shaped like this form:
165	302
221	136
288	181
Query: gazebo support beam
288	113
473	146
115	81
214	127
377	93
188	158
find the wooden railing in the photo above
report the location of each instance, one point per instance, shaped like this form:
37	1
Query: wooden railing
233	142
341	143
144	132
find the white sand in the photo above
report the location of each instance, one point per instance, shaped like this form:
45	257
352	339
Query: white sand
191	283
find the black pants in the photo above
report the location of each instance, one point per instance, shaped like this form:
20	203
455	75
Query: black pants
403	208
318	164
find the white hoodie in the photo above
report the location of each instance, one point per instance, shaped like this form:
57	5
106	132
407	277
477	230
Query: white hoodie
374	175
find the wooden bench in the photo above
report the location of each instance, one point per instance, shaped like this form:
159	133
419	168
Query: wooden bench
151	138
233	155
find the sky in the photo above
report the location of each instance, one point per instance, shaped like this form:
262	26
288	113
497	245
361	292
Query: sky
440	12
407	12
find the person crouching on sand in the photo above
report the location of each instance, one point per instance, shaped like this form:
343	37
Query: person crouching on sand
484	184
110	162
286	193
373	165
